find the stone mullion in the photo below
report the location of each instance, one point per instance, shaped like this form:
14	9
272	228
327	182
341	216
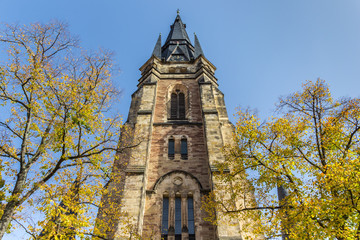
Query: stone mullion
177	148
171	232
184	218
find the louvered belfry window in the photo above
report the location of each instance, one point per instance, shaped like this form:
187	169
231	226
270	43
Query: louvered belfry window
181	98
174	106
177	106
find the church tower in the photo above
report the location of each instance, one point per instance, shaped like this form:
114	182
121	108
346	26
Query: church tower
180	115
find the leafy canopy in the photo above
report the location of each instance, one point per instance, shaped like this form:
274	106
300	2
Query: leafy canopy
312	151
57	143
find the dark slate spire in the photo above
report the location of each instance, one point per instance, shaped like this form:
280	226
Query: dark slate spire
157	48
177	30
198	50
177	46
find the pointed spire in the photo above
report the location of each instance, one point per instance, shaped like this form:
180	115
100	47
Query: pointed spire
177	46
178	31
198	50
157	48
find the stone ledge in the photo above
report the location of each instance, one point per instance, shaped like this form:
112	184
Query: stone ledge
205	83
215	169
149	83
144	112
230	238
135	169
176	123
210	111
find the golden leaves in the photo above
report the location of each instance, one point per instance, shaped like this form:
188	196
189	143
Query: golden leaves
312	150
59	141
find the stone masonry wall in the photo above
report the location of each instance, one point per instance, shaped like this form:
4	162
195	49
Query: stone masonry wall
159	163
150	173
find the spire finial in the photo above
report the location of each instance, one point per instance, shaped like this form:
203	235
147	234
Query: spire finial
178	11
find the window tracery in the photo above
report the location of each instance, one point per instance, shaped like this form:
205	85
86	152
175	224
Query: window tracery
179	195
177	108
183	206
178	102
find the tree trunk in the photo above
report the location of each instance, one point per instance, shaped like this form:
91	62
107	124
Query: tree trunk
7	217
13	203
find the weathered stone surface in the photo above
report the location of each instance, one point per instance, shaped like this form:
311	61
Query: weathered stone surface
151	173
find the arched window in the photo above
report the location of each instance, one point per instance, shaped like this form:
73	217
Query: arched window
178	224
179	210
171	148
184	148
177	106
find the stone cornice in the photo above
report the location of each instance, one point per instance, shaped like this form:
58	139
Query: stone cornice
201	65
210	111
142	112
175	122
215	169
135	169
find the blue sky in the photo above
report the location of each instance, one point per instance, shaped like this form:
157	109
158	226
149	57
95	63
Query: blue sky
262	49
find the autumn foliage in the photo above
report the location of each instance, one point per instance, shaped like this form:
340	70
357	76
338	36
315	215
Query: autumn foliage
57	144
311	149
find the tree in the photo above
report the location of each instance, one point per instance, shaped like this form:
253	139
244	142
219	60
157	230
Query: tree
57	143
312	150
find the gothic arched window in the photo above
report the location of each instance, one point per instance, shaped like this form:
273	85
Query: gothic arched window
181	206
177	106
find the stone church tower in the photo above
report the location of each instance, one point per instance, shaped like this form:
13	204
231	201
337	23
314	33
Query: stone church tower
179	112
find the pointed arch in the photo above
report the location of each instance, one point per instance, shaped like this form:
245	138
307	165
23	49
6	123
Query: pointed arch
178	102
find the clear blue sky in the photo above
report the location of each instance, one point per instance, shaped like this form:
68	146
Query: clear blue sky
262	49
